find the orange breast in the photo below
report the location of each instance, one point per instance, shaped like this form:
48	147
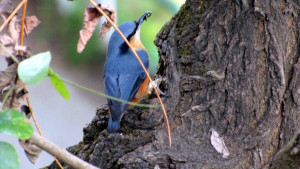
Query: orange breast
143	90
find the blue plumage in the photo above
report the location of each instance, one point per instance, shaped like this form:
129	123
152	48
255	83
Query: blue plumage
123	74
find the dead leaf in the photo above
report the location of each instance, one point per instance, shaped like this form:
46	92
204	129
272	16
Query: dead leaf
7	76
32	151
106	26
30	23
18	99
11	37
12	30
90	21
7	81
7	47
20	95
6	40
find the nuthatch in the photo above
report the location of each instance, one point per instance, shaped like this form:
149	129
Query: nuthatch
124	77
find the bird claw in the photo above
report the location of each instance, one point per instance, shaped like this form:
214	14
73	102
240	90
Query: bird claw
162	94
156	84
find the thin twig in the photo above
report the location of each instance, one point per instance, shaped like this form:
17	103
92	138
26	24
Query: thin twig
58	163
63	155
22	43
32	114
12	14
23	26
141	63
27	97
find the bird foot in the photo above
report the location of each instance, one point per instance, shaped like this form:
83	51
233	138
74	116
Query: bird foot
157	82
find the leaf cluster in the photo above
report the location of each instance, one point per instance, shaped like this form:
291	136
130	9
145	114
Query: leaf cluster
21	70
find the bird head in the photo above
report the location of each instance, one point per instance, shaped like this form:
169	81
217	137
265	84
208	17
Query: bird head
131	31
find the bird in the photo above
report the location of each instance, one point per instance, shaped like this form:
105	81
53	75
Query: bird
124	77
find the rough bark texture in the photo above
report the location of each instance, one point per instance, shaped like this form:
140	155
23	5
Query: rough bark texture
230	65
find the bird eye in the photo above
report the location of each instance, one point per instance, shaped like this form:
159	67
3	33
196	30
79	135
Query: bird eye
148	15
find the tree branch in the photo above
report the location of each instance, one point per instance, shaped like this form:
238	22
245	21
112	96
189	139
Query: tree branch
61	154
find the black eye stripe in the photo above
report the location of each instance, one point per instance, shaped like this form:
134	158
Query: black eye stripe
133	33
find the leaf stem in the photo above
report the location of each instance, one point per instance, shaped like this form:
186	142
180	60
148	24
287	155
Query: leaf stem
104	95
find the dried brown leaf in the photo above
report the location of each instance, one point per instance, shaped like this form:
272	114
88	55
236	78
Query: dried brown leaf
6	40
30	23
7	76
111	13
12	30
14	100
7	81
7	47
11	37
32	151
90	21
20	95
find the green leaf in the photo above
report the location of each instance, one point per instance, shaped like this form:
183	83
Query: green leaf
34	69
58	84
9	158
15	123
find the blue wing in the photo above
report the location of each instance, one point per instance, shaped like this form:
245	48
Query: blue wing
122	79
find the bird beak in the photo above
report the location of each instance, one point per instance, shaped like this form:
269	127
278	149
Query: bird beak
143	17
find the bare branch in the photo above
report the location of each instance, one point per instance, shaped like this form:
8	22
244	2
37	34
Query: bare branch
61	154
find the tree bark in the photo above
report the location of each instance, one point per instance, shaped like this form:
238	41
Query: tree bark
230	66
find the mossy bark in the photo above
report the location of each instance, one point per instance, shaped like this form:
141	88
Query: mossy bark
229	65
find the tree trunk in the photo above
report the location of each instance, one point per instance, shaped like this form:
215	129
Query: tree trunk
231	67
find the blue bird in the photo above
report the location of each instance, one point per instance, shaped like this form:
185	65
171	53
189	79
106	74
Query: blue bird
124	77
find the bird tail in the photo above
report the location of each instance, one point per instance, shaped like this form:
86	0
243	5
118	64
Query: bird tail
113	125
